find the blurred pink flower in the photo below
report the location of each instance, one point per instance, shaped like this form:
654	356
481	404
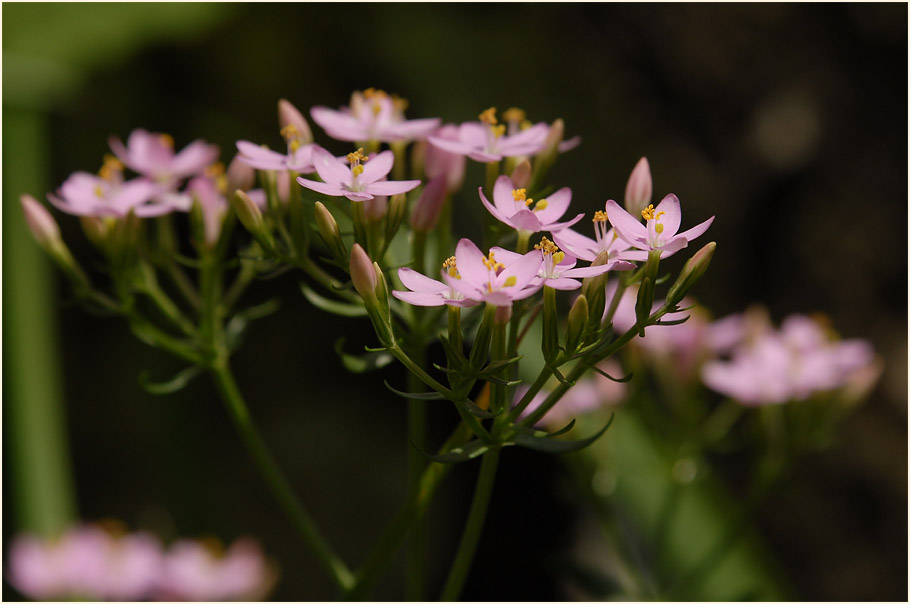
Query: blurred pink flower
588	249
586	396
487	141
84	194
194	572
439	162
152	155
372	115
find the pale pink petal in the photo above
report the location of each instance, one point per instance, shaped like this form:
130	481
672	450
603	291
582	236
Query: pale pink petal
469	260
563	283
420	298
325	188
331	169
557	204
673	216
358	195
556	226
391	187
535	135
409	129
524	269
259	157
505	256
697	230
484	157
502	195
673	245
451	146
193	159
524	220
377	167
568	145
587	271
338	125
576	243
490	208
473	134
627	227
301	160
417	282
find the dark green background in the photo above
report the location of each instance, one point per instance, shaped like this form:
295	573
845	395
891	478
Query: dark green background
787	122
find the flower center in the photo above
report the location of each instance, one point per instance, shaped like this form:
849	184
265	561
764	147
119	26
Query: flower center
375	96
166	140
652	216
551	256
516	118
111	169
600	228
215	171
522	201
355	159
450	267
292	135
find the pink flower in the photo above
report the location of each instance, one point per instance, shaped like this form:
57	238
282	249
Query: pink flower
193	572
152	155
85	194
485	279
298	159
487	141
659	231
589	249
429	292
372	116
360	181
514	208
557	270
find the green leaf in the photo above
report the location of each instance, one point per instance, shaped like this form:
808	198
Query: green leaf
361	363
337	308
541	433
420	396
474	410
499	365
546	444
473	449
172	385
674	321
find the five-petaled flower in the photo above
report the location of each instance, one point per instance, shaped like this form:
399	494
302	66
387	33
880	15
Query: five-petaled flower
606	241
513	207
486	279
152	155
372	116
360	181
487	141
557	269
429	292
659	231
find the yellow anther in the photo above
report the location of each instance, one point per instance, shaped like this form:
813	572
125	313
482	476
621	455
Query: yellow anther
111	165
559	257
524	125
371	93
399	103
546	246
449	267
659	228
357	156
214	170
290	132
541	205
489	116
600	216
649	214
357	170
167	140
99	192
514	114
499	130
491	263
511	281
519	194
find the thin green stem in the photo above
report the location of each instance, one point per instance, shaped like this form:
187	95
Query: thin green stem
274	478
458	573
417	434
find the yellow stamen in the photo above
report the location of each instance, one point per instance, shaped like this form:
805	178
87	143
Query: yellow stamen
559	257
649	213
541	205
546	246
489	117
357	156
659	228
519	194
215	171
449	267
167	140
292	136
511	281
357	170
111	165
99	193
498	130
492	264
600	216
514	114
525	125
371	93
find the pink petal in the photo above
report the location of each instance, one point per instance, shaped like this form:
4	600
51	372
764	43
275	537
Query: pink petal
338	125
469	260
259	157
391	187
410	129
587	271
673	245
533	136
322	187
417	282
473	134
502	195
568	145
563	283
358	195
490	208
330	169
505	256
556	226
376	167
557	204
524	269
420	298
451	146
673	216
627	227
193	159
484	157
524	220
576	243
697	230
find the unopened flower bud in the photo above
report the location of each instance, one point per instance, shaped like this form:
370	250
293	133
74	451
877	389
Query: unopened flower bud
521	175
288	115
639	188
240	175
398	208
555	135
578	320
429	205
251	218
691	272
329	231
363	275
40	222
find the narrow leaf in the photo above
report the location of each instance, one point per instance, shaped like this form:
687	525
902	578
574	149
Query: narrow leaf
172	385
549	445
361	363
473	449
337	308
621	380
420	396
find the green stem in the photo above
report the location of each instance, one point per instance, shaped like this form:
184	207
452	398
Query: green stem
417	433
274	478
473	527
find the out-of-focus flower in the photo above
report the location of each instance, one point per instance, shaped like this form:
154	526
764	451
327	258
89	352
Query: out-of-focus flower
40	222
199	572
429	205
659	231
372	115
298	159
152	155
486	279
294	126
107	194
360	181
487	141
586	396
790	364
557	269
513	207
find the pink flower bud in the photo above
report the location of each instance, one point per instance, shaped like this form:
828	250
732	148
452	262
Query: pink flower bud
288	115
240	175
248	213
439	162
426	211
40	222
521	175
362	273
638	189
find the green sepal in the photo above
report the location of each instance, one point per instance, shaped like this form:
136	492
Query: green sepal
559	376
420	396
548	445
176	383
662	280
332	306
473	449
456	357
621	380
673	321
474	410
541	433
362	363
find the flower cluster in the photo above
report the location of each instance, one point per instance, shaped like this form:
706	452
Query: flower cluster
90	562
